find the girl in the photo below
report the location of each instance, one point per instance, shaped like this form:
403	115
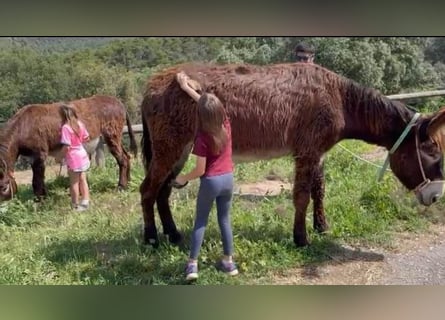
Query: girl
214	166
74	134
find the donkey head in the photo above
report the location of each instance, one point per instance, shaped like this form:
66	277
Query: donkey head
418	162
8	186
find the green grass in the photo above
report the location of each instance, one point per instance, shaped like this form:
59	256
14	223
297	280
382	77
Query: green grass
47	243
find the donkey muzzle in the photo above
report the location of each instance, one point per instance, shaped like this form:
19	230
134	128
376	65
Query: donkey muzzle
429	192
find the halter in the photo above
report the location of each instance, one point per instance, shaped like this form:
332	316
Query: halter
11	187
398	143
10	178
425	180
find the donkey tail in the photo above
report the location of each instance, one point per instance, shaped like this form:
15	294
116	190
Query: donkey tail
147	152
133	144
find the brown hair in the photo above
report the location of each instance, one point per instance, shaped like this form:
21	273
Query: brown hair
211	119
69	116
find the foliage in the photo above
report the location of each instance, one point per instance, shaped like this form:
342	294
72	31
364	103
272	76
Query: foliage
42	69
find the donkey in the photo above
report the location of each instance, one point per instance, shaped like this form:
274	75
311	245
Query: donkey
34	132
294	109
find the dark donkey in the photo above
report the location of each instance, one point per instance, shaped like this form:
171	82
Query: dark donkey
285	109
34	132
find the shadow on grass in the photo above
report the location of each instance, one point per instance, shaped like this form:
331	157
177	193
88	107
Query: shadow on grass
117	261
24	193
126	261
101	185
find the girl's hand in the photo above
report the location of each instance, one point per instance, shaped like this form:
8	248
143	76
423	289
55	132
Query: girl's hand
182	79
180	180
179	183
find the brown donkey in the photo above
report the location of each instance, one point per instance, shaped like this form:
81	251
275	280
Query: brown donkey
285	109
34	132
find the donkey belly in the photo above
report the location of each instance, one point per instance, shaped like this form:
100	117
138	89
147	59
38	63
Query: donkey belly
260	154
90	147
258	140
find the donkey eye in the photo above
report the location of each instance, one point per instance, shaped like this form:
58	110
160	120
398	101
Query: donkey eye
430	147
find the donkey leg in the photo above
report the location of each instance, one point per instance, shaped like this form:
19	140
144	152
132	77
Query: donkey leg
99	156
162	202
168	224
114	144
304	174
317	194
155	188
38	177
147	202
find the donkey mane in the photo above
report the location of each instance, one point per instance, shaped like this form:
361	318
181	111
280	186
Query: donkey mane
368	108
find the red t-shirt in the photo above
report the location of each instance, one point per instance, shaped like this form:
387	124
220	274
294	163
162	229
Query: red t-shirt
215	164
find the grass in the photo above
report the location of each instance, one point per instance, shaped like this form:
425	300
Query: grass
47	243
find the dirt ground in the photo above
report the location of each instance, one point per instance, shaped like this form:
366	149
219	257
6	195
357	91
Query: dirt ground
416	260
25	176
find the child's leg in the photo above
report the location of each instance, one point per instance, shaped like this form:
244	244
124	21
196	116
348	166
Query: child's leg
84	189
204	203
223	205
74	187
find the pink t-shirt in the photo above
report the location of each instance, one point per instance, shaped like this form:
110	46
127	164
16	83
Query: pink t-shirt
76	157
215	164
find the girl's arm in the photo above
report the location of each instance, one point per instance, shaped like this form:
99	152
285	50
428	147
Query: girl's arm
85	134
60	156
198	171
65	140
183	81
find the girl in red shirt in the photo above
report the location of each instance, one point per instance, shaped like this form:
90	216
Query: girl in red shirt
214	167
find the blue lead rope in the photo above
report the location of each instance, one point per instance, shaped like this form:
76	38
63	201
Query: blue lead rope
397	144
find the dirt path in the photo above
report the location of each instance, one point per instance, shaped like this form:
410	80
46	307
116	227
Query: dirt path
416	260
25	176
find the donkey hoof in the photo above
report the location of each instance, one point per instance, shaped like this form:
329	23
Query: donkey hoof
121	188
321	227
301	240
152	242
151	238
39	199
175	237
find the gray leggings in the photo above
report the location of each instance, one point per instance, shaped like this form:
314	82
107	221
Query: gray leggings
218	189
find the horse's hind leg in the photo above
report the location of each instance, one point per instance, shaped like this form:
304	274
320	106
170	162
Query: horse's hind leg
155	188
147	203
317	194
304	174
38	176
168	224
99	156
116	148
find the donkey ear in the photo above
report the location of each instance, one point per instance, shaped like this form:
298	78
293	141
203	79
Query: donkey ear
436	128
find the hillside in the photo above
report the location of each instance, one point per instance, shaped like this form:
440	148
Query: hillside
57	44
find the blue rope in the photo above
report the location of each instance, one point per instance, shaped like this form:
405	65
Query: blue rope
397	144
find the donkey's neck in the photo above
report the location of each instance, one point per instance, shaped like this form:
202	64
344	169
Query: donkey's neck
373	118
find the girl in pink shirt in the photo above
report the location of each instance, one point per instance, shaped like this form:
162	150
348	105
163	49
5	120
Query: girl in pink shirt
73	135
